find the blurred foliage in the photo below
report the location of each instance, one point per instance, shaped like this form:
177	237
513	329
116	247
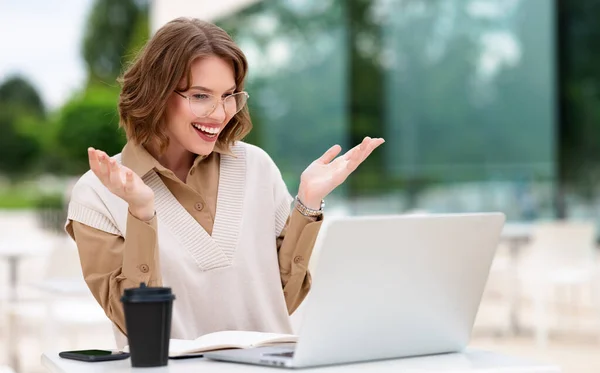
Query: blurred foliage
17	92
579	128
16	199
297	99
34	141
367	100
139	35
450	115
333	71
109	33
18	151
116	31
19	148
89	121
411	71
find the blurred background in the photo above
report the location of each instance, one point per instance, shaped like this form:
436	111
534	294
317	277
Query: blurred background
485	105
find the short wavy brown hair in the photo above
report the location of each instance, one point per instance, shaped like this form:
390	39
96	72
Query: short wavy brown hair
158	69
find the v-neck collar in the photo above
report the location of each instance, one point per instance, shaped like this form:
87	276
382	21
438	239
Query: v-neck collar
140	161
209	252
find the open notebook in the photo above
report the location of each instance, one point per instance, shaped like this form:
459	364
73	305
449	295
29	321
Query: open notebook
225	340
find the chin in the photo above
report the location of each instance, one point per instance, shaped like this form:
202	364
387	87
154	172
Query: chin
202	149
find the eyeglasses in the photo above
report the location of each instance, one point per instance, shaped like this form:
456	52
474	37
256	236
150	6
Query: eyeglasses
203	104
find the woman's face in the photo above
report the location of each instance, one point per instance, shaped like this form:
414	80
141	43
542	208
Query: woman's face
212	79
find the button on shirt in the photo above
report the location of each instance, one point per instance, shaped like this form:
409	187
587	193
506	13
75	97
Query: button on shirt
109	273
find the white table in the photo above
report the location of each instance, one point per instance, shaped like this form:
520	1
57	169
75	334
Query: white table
13	251
472	361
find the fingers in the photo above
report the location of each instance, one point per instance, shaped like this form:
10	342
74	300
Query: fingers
368	145
359	154
372	146
98	163
129	177
93	159
115	176
352	151
106	169
128	180
358	149
364	150
330	154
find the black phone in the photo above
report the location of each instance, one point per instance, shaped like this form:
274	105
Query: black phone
94	355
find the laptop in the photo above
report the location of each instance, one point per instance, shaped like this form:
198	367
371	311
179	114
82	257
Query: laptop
388	287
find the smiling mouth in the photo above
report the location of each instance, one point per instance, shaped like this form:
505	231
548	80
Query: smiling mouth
207	131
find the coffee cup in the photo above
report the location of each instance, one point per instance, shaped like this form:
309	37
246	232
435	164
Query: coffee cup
148	312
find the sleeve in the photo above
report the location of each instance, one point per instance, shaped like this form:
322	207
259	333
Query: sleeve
295	245
110	263
295	237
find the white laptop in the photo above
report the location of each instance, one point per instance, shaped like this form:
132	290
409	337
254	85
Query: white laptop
389	287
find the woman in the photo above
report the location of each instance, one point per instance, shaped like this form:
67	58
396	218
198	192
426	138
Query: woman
188	205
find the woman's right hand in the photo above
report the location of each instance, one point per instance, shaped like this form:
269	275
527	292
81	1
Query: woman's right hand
124	183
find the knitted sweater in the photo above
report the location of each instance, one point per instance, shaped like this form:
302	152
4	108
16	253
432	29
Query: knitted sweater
227	281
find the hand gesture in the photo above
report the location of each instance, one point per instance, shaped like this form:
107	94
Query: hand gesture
124	183
325	174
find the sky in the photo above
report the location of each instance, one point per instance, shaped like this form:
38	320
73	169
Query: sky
41	40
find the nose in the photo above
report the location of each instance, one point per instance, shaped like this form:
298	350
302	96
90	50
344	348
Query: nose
218	113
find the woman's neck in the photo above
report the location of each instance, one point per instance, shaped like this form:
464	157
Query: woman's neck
176	159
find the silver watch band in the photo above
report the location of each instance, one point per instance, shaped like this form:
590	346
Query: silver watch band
301	207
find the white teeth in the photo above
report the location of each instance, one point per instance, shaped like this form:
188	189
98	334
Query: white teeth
210	130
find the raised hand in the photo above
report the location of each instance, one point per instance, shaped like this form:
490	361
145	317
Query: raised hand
124	183
325	174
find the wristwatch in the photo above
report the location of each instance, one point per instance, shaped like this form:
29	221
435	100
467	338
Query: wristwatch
308	211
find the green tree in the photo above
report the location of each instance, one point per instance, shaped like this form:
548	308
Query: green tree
18	152
116	31
139	35
91	120
110	28
19	144
17	93
579	105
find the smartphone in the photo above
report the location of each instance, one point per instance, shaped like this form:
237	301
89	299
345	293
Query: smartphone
94	355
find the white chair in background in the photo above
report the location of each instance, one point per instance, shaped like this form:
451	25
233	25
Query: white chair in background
500	302
64	305
494	313
560	256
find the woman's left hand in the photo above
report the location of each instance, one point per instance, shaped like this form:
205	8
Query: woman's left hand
324	174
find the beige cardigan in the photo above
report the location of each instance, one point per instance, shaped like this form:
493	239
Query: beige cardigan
229	280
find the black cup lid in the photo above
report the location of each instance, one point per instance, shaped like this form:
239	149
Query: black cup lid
147	294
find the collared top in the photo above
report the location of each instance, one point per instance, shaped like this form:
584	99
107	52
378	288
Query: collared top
111	263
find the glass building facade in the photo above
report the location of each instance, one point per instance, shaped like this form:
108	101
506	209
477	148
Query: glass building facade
483	103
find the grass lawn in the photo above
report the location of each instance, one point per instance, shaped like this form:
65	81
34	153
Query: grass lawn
27	195
15	198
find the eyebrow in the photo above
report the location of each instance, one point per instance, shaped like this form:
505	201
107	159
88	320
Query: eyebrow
210	90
